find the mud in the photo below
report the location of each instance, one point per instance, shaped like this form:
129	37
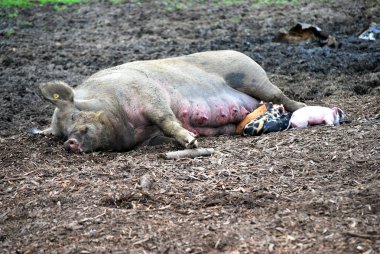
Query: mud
304	191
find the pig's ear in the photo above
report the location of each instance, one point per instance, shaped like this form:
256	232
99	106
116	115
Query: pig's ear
338	112
58	93
269	105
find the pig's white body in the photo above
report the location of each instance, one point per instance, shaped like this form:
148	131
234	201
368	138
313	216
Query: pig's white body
130	105
315	115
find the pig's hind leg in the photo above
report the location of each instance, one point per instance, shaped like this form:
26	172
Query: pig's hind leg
262	89
249	78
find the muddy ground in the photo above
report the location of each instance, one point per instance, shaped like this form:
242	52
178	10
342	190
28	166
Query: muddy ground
306	191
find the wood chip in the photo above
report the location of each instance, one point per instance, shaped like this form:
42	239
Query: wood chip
145	182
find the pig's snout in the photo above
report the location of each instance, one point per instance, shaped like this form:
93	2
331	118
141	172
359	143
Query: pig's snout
73	145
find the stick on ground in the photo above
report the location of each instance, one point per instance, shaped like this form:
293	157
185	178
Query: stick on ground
189	153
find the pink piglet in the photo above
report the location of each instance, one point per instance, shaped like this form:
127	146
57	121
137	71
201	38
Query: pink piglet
314	115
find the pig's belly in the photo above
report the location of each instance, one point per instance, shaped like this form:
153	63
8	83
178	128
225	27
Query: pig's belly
214	115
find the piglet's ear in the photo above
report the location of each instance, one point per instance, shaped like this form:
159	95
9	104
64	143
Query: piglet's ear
335	111
58	93
269	105
340	113
282	109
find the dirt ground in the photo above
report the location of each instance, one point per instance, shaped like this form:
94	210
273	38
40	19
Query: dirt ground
304	191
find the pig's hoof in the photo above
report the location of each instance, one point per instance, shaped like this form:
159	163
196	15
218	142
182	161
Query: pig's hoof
189	142
187	139
192	144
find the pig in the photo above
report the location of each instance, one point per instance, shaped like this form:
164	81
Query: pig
275	119
127	106
277	124
314	115
262	109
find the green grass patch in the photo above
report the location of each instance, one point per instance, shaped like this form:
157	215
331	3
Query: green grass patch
59	7
60	1
9	32
234	19
29	3
15	3
231	1
13	14
277	1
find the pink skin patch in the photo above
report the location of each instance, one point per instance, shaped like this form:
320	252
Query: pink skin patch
314	115
219	112
135	116
73	145
199	113
218	115
243	113
234	111
210	116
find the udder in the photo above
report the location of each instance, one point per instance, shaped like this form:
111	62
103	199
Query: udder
215	115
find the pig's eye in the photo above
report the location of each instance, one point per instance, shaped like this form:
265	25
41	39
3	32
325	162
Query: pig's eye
75	116
84	130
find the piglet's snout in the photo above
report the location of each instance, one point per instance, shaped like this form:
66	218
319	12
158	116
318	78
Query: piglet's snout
73	145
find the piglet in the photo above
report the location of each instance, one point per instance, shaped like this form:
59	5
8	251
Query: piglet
314	115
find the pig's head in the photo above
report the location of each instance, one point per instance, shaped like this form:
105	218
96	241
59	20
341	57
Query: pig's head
89	131
339	115
277	110
85	130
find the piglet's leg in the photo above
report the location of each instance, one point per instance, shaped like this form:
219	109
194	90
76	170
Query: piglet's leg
329	121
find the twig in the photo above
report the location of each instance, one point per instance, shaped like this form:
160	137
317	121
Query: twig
142	240
362	235
217	244
28	173
189	153
13	179
92	218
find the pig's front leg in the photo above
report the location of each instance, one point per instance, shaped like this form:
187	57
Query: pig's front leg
171	127
174	129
